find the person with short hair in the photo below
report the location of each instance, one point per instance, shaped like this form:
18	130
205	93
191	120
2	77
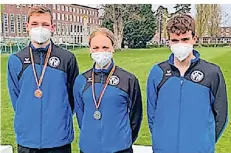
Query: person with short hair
186	96
40	82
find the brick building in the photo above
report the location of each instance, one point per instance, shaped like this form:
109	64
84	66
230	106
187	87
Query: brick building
73	22
224	36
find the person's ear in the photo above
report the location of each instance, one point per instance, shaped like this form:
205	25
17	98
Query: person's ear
53	27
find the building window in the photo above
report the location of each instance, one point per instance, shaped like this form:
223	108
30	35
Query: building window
23	5
71	18
71	29
77	10
29	5
12	24
74	18
77	28
87	12
63	17
24	23
66	17
58	16
81	19
93	13
70	9
81	39
54	6
63	29
17	5
59	28
5	18
54	16
62	7
78	39
78	19
84	11
81	11
81	29
18	23
74	10
55	32
66	8
58	7
67	29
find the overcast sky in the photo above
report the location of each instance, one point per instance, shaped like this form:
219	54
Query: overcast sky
226	9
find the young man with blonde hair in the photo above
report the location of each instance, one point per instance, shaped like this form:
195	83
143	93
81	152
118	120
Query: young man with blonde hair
186	96
40	81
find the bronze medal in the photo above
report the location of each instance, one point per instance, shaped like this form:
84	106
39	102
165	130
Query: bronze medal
38	93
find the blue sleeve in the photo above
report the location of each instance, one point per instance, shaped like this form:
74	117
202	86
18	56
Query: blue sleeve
14	68
77	92
154	78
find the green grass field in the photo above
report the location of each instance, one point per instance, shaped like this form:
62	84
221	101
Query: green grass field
138	62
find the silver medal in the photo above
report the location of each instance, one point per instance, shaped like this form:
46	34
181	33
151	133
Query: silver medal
97	115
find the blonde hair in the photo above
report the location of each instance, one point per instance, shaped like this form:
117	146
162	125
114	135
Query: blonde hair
102	31
40	10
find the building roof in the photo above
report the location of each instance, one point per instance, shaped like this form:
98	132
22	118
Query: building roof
86	6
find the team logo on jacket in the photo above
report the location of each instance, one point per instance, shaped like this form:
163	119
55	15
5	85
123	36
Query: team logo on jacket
114	80
89	80
168	73
197	76
26	60
54	61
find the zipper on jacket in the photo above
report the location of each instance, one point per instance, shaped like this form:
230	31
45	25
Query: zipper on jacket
41	66
179	119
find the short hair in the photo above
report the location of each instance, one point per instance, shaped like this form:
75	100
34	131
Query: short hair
180	24
102	31
40	10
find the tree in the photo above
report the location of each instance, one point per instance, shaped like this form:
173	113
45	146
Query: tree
182	8
202	18
214	20
1	12
138	32
161	15
118	15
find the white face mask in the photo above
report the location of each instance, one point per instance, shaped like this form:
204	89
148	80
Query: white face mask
101	58
181	50
40	34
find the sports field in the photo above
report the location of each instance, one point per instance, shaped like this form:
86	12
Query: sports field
138	62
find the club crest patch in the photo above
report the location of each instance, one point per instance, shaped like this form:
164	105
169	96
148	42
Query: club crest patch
197	76
114	80
54	61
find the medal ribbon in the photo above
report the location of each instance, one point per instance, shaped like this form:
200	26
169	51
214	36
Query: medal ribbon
97	104
44	68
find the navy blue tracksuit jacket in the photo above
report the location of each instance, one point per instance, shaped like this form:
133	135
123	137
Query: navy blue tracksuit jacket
43	122
186	114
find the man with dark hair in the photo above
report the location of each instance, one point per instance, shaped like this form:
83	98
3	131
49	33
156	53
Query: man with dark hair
40	82
186	96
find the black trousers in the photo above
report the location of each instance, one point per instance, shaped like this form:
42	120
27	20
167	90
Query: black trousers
62	149
130	150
